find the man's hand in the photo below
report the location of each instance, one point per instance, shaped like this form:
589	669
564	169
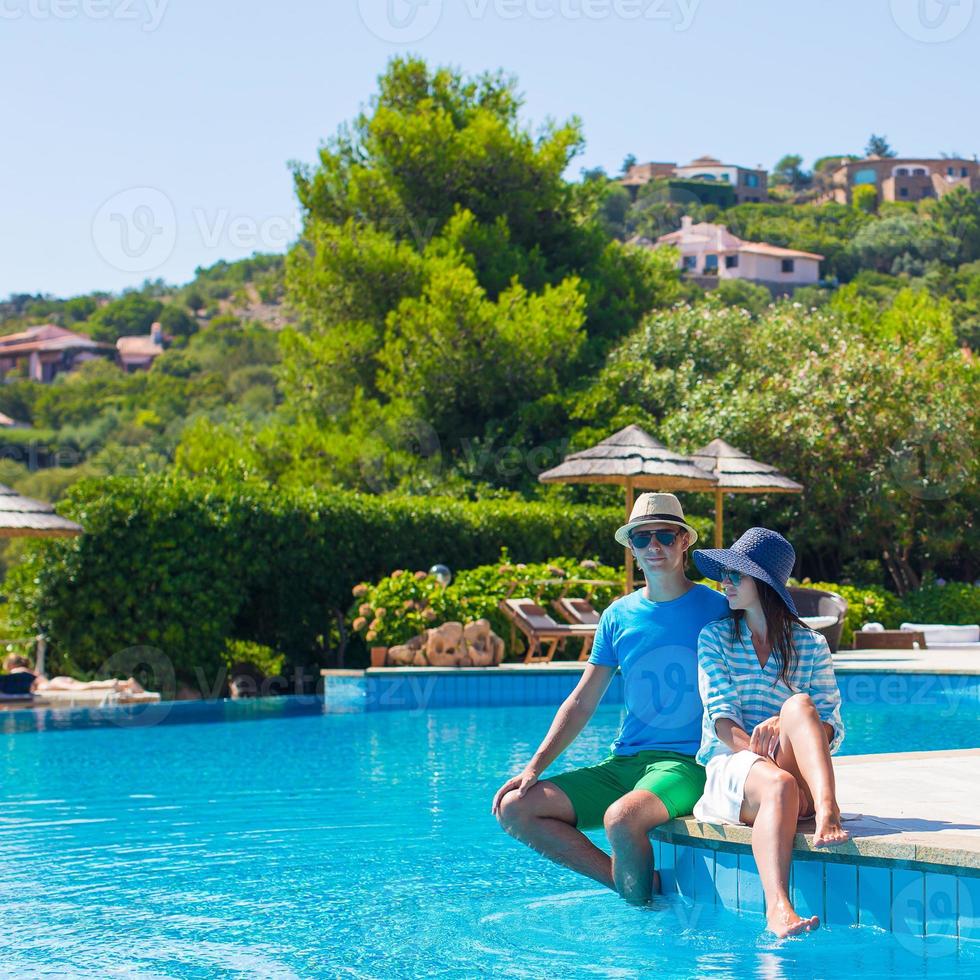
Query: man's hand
765	737
521	783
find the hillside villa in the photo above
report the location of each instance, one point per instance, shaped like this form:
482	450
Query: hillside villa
710	253
750	184
48	350
902	178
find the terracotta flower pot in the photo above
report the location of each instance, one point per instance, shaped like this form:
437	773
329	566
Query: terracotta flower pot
379	656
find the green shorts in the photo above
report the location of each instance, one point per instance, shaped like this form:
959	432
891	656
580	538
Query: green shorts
677	780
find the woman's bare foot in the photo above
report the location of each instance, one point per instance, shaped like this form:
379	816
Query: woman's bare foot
829	830
783	921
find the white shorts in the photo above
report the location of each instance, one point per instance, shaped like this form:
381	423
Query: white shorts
724	788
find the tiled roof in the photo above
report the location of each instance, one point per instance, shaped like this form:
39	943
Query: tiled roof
144	346
46	337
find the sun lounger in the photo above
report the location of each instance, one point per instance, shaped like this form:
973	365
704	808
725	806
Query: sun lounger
99	698
578	612
938	634
818	603
542	632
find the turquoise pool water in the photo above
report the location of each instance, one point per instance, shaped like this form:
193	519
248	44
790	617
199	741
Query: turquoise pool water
359	845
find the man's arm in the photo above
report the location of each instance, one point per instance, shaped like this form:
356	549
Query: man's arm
573	715
570	719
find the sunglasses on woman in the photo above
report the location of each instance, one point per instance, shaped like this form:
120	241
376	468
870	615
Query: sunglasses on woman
641	539
734	577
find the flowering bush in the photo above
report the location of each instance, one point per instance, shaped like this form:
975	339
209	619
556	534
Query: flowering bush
404	604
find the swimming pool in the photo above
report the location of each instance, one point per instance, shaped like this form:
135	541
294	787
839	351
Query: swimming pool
359	845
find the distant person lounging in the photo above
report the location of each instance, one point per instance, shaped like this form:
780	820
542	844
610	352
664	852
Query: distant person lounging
16	664
771	718
650	775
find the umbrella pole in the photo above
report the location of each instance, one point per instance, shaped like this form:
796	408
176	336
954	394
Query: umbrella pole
719	518
629	554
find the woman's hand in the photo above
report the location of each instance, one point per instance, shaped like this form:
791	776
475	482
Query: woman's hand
765	737
521	783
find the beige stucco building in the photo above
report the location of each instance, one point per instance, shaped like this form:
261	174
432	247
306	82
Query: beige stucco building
902	178
749	183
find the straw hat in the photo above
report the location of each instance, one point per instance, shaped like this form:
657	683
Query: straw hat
655	507
759	552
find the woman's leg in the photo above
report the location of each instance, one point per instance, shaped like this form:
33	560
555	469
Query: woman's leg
805	753
771	805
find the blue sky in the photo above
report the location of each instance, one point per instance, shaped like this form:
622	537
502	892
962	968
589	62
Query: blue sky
172	121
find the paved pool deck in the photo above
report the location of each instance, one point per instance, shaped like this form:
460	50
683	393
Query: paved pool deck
909	807
961	658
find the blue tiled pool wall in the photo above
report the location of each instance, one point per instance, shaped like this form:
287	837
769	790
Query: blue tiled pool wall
941	904
421	690
944	690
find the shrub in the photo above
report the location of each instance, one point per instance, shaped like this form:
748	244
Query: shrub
871	604
954	603
183	565
404	604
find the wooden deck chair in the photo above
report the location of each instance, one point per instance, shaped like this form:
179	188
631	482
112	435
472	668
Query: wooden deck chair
578	612
540	629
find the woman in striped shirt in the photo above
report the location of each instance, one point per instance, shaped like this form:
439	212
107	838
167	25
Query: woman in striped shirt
770	697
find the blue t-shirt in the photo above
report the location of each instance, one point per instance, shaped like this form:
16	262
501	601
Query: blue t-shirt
655	644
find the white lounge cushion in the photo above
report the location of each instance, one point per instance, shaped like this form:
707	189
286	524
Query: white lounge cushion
819	622
937	633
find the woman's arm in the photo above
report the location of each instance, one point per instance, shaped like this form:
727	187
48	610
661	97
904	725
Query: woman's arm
732	734
825	693
719	695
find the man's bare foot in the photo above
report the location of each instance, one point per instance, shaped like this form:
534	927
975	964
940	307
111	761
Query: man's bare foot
829	830
783	921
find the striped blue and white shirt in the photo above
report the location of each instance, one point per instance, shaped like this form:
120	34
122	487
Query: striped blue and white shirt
733	685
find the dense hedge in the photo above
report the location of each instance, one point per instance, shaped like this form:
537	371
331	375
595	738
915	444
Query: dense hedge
182	565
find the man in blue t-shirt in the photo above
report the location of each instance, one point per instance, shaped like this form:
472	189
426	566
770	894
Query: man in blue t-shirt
650	776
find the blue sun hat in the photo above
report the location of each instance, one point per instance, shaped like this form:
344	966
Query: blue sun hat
759	552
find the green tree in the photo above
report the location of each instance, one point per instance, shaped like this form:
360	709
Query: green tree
864	197
131	315
878	147
459	358
789	170
176	322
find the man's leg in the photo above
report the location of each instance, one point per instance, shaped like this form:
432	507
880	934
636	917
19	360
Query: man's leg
545	820
805	753
628	823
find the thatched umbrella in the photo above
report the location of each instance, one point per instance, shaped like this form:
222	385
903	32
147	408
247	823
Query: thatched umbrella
637	461
737	472
22	517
